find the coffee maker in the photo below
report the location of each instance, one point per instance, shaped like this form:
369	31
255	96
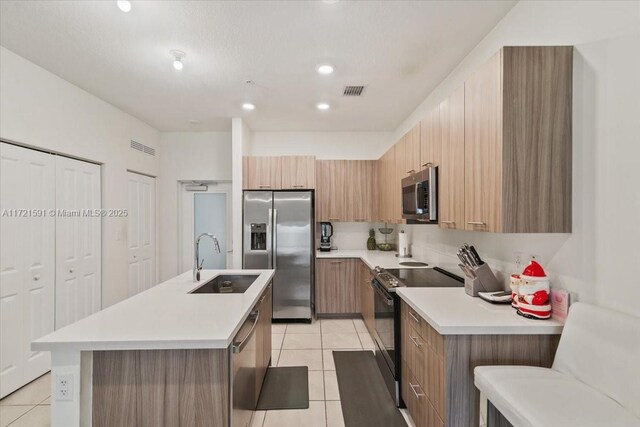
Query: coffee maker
326	231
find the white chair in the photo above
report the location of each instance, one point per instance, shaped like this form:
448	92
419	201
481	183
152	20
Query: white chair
594	380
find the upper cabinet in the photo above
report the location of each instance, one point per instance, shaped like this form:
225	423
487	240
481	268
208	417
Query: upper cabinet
344	190
386	187
298	172
408	153
430	139
451	164
262	173
279	173
517	132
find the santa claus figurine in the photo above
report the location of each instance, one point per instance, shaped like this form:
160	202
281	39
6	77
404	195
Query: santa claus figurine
533	293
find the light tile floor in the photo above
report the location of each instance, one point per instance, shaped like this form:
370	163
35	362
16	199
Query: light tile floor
28	406
312	345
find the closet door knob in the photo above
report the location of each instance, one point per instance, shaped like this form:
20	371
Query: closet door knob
36	277
71	270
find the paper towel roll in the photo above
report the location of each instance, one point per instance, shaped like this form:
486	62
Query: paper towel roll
403	244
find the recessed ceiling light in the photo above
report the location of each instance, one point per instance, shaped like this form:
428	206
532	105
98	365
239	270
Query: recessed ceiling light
325	69
124	5
248	106
330	1
323	106
177	59
194	122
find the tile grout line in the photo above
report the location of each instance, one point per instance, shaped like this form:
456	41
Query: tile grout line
14	421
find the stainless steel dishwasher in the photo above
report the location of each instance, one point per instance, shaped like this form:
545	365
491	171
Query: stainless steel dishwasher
244	361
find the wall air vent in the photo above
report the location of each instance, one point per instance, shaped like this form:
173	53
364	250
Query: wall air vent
143	148
353	91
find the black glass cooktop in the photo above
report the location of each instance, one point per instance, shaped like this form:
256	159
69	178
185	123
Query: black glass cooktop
426	278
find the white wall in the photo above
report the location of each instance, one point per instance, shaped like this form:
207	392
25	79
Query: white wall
595	261
41	110
323	145
241	138
199	156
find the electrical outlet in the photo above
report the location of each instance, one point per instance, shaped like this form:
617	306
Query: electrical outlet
64	387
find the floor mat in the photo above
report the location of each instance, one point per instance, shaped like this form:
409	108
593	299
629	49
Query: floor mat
365	399
285	388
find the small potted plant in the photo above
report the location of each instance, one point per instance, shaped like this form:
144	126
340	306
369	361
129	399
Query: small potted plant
371	241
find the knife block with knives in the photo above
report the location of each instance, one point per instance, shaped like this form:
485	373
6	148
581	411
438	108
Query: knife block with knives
478	275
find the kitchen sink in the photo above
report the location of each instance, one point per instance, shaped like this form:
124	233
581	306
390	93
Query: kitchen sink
227	284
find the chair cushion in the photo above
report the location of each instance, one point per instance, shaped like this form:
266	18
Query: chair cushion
601	348
531	396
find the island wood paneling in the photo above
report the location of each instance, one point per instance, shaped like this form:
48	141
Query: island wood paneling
161	388
337	288
537	102
298	172
451	170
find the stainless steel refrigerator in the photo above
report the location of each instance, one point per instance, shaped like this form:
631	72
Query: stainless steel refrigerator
278	233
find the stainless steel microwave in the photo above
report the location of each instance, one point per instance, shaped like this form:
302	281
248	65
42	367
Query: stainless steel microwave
420	196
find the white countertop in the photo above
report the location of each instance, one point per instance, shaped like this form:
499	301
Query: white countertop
163	317
373	259
450	311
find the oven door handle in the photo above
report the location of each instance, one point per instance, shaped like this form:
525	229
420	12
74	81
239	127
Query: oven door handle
387	299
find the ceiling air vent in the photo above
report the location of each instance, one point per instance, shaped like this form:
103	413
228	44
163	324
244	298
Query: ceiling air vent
353	91
143	148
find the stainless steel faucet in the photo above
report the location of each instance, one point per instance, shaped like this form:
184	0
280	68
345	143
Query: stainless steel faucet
197	264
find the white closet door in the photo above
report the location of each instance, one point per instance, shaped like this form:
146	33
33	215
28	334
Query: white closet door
78	240
27	257
141	232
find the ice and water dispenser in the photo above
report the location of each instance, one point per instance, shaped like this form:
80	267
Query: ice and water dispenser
258	236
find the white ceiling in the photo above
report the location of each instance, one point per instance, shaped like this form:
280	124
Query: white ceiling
400	49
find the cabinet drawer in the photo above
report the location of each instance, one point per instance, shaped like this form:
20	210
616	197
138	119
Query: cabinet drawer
426	331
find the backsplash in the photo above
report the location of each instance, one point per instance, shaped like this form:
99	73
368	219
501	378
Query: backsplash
349	235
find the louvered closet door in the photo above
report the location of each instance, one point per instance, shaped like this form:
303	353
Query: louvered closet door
78	241
141	232
27	271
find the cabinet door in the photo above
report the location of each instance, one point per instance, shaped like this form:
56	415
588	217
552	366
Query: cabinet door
431	136
331	194
298	172
413	149
361	196
262	173
451	170
483	147
385	163
337	288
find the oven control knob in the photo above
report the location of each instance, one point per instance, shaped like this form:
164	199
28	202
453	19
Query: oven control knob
394	283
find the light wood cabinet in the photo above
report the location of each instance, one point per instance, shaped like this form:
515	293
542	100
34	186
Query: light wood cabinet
386	188
431	139
337	286
262	173
331	195
518	142
344	190
362	199
451	167
298	172
367	304
437	370
408	154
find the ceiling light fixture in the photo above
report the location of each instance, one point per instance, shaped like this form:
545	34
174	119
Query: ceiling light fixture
248	106
124	5
177	59
330	1
325	69
323	106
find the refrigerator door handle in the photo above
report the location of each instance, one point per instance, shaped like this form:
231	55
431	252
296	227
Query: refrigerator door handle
275	239
270	239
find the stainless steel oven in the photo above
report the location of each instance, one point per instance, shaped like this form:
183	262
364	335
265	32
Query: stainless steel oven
387	336
420	195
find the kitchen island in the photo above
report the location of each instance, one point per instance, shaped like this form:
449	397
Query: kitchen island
162	357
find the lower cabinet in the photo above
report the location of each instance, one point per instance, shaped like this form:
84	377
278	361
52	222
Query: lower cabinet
437	370
366	298
337	286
